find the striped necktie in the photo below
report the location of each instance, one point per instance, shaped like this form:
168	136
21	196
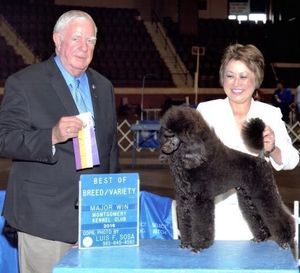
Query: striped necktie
77	94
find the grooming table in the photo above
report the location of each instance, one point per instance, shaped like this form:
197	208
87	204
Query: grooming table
161	256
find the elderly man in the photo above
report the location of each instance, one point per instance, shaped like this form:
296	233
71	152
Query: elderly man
38	122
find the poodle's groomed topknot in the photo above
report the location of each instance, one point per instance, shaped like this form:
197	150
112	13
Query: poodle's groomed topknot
183	119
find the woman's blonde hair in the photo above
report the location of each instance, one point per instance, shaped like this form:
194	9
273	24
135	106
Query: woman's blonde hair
249	55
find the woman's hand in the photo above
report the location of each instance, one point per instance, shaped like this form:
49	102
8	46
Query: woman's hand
270	147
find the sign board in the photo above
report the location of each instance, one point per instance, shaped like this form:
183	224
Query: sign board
108	210
198	50
239	8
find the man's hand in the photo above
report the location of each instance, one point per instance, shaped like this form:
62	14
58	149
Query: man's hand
66	128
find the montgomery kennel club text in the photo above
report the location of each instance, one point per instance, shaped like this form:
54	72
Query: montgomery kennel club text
108	210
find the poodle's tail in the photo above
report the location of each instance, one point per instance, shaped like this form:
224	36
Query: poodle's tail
252	134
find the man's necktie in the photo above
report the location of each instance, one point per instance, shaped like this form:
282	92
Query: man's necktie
77	93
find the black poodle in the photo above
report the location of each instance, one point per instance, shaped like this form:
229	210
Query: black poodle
203	167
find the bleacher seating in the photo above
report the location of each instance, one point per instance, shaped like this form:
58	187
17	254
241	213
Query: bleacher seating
124	51
278	42
10	61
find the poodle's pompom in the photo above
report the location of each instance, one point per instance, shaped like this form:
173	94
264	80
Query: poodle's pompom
252	134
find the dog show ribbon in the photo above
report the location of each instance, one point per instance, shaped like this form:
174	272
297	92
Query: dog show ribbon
85	145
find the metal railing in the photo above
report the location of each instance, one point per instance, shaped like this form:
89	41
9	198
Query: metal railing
169	46
294	132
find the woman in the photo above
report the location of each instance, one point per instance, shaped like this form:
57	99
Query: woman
241	73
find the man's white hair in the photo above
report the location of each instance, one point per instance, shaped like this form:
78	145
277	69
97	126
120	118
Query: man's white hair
69	16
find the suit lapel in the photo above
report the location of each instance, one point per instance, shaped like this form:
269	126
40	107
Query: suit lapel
95	95
99	108
62	90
